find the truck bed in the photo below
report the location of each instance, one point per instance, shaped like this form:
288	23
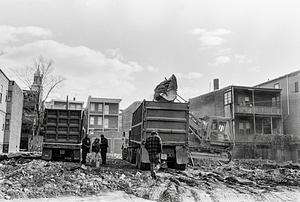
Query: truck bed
169	119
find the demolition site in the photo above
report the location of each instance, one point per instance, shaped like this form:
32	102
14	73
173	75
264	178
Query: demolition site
236	143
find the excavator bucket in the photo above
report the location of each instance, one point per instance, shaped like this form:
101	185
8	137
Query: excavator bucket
166	91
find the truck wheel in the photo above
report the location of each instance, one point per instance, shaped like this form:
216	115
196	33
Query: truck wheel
181	166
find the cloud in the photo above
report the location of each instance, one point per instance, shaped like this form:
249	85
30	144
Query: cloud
11	34
189	92
150	68
220	60
211	38
88	71
189	75
254	69
242	59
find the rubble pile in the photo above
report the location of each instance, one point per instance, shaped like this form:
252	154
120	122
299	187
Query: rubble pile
35	178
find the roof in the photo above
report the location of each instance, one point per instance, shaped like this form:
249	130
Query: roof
70	101
240	87
106	100
4	75
290	74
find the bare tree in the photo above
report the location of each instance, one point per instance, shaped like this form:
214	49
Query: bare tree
40	83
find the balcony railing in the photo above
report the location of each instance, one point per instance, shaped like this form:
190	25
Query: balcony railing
258	110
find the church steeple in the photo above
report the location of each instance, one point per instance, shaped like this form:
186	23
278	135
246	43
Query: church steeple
37	80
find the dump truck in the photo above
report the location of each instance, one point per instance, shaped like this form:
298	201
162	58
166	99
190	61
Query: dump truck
62	134
171	121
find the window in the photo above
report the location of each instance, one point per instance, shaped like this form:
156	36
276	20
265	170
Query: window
92	106
276	101
6	124
106	109
244	127
266	126
9	96
244	101
276	85
100	106
296	87
100	122
105	123
92	120
214	125
227	98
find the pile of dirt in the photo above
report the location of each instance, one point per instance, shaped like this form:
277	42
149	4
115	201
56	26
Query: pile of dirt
35	178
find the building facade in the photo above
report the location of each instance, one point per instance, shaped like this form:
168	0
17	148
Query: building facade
102	117
290	97
63	104
4	82
13	121
256	115
126	120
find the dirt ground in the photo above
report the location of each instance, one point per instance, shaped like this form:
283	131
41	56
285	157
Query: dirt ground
247	180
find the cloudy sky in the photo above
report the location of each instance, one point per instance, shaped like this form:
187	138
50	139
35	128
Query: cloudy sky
124	48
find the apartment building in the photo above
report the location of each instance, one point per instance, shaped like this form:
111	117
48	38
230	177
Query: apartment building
4	82
256	114
102	117
64	104
290	96
13	121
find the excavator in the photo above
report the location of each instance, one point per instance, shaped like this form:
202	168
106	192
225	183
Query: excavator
210	137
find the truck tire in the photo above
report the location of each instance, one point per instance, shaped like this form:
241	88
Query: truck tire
181	166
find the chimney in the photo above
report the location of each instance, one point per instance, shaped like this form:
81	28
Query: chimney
74	98
216	84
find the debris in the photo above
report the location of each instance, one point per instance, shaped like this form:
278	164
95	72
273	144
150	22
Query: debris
36	178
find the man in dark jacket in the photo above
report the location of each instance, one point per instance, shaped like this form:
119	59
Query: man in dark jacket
154	147
103	147
86	144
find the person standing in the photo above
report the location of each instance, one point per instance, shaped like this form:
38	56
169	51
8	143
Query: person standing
96	150
85	146
103	147
153	145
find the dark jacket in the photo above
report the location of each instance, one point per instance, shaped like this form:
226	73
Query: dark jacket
96	147
86	143
104	144
153	145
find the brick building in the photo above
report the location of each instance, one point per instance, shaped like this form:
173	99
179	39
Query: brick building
4	82
127	116
126	119
290	97
13	121
257	117
102	117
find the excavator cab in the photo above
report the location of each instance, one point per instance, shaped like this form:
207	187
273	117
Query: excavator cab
220	129
211	137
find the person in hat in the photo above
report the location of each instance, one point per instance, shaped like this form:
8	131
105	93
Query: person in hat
153	145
